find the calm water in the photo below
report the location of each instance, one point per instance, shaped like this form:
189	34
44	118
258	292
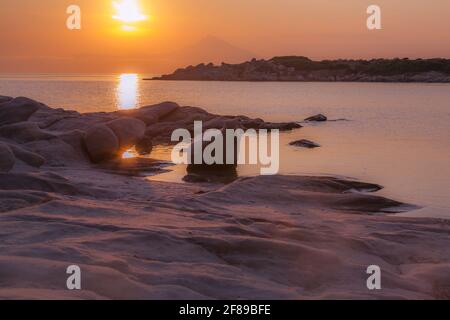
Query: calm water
398	134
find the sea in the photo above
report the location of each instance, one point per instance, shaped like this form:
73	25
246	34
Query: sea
393	134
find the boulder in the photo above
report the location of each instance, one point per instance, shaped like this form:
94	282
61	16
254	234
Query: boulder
253	123
30	158
151	114
163	129
317	118
58	153
7	158
214	168
157	111
24	132
17	110
305	144
144	146
223	122
128	130
188	115
74	139
101	143
69	121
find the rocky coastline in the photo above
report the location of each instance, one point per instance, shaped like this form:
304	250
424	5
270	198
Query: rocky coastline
62	203
302	69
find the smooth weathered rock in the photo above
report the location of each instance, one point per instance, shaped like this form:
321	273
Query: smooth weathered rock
159	111
188	115
25	132
305	144
101	143
223	167
58	153
5	99
151	114
317	118
75	139
7	158
223	122
144	146
253	123
17	110
17	199
134	166
162	130
30	158
44	182
73	121
128	130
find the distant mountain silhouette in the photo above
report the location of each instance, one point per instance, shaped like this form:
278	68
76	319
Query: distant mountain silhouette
210	49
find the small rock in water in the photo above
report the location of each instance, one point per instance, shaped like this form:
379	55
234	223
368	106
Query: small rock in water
305	144
283	126
317	118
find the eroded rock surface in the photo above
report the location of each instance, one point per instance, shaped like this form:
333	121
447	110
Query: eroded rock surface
17	110
60	137
7	158
266	237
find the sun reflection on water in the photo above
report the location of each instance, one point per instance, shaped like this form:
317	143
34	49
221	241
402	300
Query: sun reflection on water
128	91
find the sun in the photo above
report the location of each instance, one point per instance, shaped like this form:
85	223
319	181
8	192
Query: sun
128	11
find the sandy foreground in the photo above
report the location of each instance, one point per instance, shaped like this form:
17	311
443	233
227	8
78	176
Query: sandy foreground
266	237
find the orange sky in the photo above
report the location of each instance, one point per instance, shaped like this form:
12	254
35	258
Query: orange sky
34	38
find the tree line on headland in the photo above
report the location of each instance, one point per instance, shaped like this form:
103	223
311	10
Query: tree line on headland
299	68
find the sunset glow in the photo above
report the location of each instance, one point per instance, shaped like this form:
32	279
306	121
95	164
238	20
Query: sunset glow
128	11
158	36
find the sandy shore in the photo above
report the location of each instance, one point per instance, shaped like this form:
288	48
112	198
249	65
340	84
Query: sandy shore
267	237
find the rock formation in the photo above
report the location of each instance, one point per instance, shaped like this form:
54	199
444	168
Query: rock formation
293	68
35	134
